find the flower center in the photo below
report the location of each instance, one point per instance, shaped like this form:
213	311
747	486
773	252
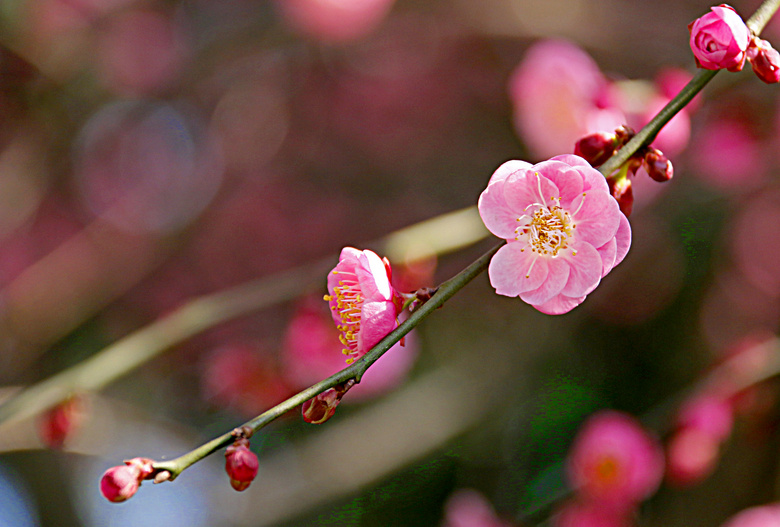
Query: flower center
349	301
547	230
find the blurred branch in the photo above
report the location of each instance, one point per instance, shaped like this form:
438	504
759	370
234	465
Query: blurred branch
205	312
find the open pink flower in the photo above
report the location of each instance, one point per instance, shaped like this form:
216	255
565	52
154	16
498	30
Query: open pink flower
564	231
614	461
362	301
720	39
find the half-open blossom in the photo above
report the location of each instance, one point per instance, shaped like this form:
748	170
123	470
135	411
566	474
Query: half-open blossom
564	231
362	301
241	464
719	39
613	460
120	483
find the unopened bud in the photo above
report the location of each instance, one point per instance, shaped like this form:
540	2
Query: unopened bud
622	192
765	60
120	483
321	407
241	464
658	165
596	148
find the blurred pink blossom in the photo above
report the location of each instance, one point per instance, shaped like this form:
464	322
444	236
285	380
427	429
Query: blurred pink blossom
140	52
586	513
311	351
727	154
362	300
719	39
334	20
614	460
708	413
469	508
691	456
242	376
558	93
763	516
564	231
755	244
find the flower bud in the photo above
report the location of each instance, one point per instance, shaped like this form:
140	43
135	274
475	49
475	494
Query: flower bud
765	60
658	165
719	39
596	148
241	464
120	483
622	192
321	407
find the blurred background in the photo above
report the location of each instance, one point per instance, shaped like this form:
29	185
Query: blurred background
155	151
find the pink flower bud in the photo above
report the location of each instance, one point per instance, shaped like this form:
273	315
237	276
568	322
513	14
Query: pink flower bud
596	148
241	464
719	39
765	60
763	516
622	192
658	165
120	483
320	408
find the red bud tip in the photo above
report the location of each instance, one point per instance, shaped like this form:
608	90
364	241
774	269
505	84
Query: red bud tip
765	60
241	464
658	165
321	407
596	148
622	192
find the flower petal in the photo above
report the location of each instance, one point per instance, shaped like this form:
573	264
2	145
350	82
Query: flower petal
377	319
528	187
597	219
507	169
585	274
559	305
623	239
372	275
607	253
498	217
509	270
557	277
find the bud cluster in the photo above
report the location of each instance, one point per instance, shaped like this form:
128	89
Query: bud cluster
597	147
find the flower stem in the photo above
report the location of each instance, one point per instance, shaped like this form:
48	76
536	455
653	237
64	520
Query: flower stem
355	371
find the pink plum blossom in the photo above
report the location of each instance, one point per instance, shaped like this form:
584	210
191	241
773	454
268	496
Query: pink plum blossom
719	39
335	20
469	508
614	460
564	231
558	94
763	516
362	300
